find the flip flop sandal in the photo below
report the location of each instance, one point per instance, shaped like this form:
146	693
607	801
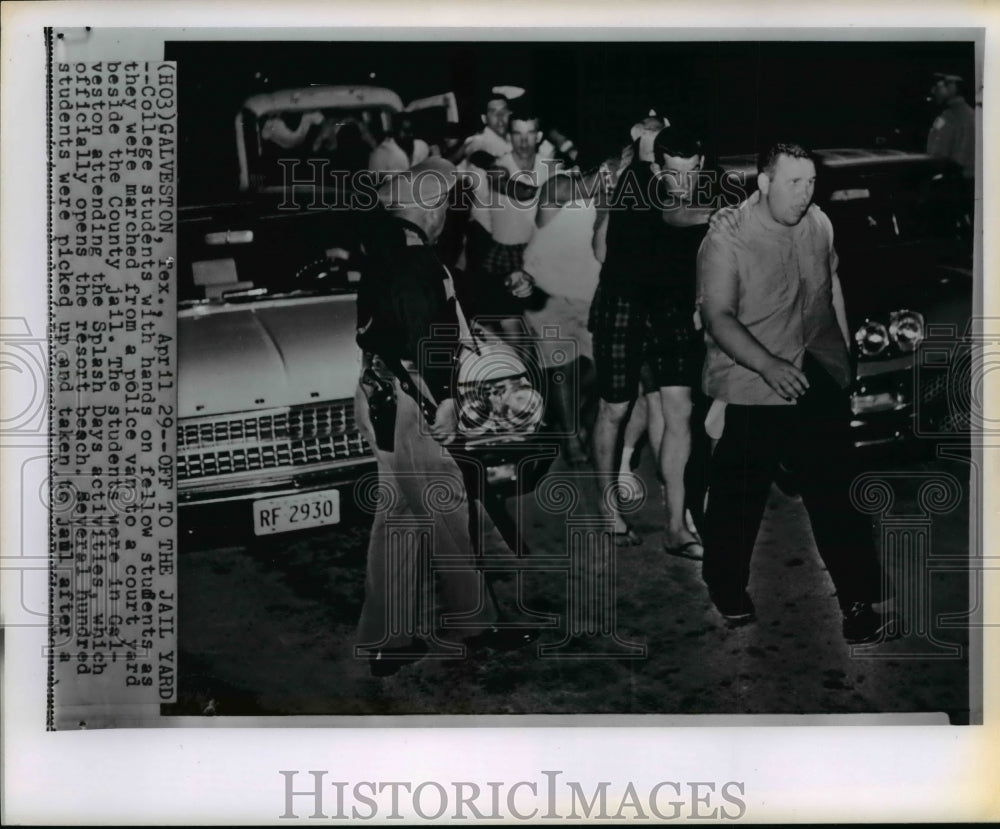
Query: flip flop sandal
685	550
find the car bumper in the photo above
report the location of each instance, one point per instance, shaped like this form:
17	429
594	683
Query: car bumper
219	509
883	428
234	489
503	464
882	410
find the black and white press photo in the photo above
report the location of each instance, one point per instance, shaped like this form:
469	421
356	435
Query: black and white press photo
714	457
455	413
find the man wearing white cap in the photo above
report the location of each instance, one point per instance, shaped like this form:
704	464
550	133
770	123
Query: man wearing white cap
406	410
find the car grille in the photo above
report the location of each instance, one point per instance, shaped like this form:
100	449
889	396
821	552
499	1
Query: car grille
290	439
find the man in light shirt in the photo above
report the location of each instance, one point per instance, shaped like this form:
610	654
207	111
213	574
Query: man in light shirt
513	204
492	138
477	154
776	354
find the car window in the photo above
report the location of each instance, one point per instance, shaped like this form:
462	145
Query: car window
342	137
890	206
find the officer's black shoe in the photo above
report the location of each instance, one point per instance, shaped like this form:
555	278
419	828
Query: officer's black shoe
736	612
387	661
503	639
862	624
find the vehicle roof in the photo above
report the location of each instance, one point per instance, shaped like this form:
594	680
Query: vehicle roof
320	97
839	158
848	157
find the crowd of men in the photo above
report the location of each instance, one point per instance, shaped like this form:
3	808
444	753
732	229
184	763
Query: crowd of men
718	334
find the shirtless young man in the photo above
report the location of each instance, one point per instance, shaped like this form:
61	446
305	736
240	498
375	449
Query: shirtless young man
513	207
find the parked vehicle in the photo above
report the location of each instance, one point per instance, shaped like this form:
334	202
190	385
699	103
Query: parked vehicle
903	237
268	363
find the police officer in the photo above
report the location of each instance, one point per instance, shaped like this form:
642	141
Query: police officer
407	411
953	133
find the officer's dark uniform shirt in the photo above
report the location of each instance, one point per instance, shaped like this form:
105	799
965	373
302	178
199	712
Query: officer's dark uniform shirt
404	311
953	135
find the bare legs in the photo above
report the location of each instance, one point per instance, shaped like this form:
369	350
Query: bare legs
646	418
666	416
674	453
610	417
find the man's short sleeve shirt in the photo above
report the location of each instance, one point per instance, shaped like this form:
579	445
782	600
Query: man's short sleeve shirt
783	296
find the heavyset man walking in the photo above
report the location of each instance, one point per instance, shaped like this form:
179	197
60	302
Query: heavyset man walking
777	356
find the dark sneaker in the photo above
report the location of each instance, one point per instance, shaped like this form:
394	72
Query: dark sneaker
503	639
387	661
738	611
862	624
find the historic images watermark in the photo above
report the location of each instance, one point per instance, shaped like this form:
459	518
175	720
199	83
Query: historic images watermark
23	444
548	797
311	184
588	556
951	373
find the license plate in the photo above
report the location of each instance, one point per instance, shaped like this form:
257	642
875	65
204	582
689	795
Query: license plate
296	512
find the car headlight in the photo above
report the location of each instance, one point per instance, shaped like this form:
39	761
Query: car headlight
872	338
906	328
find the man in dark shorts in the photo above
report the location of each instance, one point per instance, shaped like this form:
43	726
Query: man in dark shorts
643	312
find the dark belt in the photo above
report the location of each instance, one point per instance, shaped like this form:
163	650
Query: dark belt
404	371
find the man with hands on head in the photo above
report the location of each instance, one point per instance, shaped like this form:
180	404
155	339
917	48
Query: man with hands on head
776	355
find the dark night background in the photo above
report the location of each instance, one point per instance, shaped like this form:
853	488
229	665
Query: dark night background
739	94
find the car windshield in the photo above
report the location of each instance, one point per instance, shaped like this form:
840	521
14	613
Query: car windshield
341	137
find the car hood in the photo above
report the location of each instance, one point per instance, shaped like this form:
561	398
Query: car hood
241	358
884	281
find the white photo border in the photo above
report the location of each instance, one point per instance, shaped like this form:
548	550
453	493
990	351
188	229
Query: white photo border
230	775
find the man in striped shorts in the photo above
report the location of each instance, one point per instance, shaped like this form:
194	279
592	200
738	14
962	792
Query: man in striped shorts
636	319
